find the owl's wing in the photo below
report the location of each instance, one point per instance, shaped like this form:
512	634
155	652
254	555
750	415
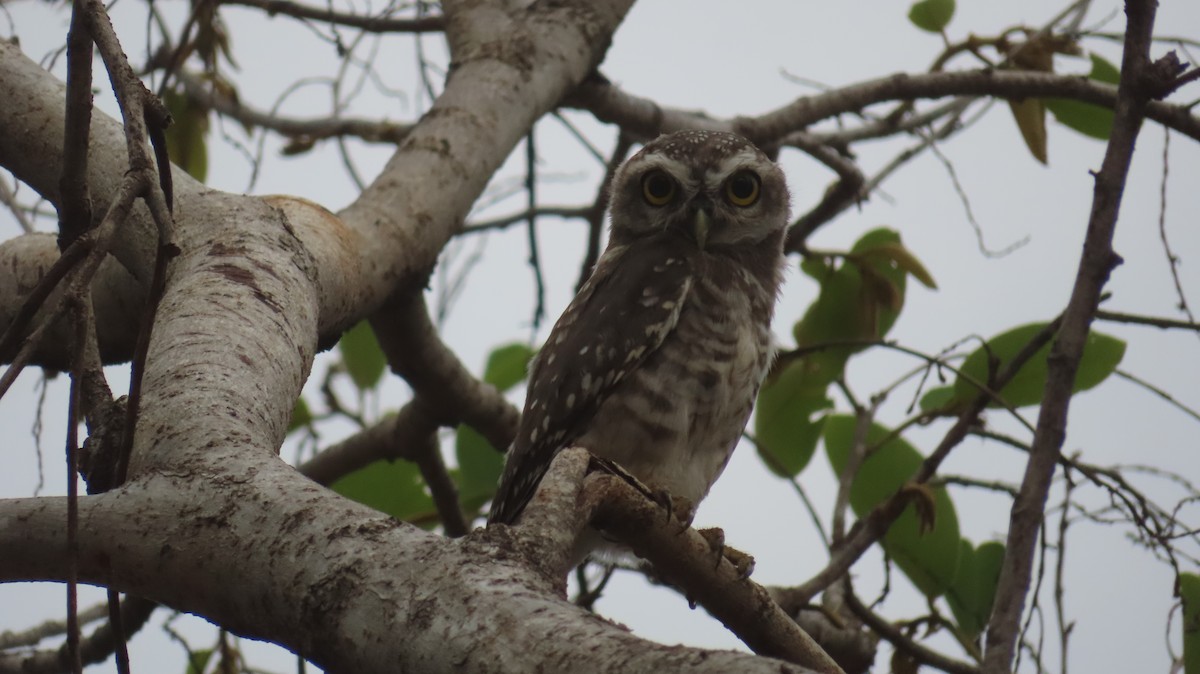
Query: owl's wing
620	316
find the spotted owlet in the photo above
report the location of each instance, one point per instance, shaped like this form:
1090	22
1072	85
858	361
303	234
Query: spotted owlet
657	361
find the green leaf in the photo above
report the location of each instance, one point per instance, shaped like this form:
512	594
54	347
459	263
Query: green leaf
1101	355
1030	116
816	266
1189	592
362	356
479	466
392	487
901	258
507	366
301	415
974	589
785	429
931	15
861	299
1086	118
187	134
836	315
939	398
929	559
198	660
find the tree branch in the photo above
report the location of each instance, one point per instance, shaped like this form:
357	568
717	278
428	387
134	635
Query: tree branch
1141	81
504	222
314	129
416	352
94	649
924	655
869	529
339	603
645	119
685	558
370	24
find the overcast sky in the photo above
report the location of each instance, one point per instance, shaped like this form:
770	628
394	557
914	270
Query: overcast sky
746	58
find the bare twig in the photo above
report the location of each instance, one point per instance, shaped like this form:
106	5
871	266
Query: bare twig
453	394
1060	562
304	130
9	198
51	628
595	214
396	436
370	24
1140	82
1153	321
858	453
539	285
897	638
82	315
95	648
867	530
1170	399
566	212
645	119
888	125
1172	258
441	487
847	191
811	509
75	208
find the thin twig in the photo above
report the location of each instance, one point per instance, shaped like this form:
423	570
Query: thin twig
867	530
897	638
1153	321
644	118
94	649
501	223
1170	399
1140	82
441	487
1172	258
539	306
8	197
370	24
305	130
75	207
773	464
595	214
1060	562
81	301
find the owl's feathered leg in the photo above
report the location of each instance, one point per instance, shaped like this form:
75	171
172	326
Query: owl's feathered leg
683	509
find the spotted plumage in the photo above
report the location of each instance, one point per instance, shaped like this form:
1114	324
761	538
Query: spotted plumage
656	362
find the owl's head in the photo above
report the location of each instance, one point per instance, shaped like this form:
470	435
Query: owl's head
715	188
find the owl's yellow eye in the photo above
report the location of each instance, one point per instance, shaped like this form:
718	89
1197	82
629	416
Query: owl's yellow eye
658	188
742	189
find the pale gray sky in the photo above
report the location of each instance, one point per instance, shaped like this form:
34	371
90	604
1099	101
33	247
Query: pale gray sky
728	59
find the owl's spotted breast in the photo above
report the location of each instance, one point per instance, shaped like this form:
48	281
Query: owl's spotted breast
690	400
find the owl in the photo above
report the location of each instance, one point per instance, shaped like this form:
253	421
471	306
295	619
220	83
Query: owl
656	363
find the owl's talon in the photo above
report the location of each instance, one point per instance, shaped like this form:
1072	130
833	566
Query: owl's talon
742	562
716	542
663	498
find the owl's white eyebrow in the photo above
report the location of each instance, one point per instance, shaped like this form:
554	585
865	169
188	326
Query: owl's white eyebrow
745	159
670	166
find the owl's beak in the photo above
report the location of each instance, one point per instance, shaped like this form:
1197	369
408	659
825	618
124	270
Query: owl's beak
700	224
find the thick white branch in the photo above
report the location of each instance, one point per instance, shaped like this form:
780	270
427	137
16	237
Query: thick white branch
345	586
